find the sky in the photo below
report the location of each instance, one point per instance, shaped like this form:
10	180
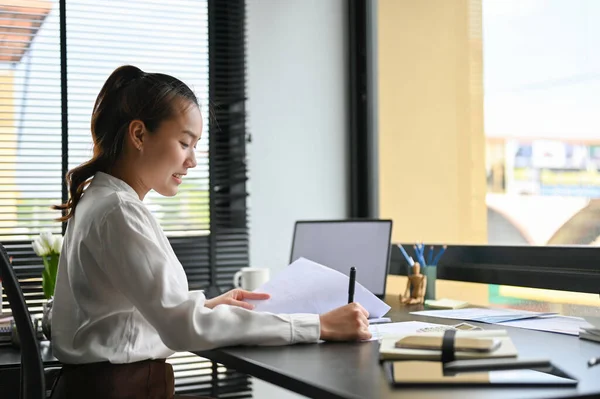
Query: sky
541	68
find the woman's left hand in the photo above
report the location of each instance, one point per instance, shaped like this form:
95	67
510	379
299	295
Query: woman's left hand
236	297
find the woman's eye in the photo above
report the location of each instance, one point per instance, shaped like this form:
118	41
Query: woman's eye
184	145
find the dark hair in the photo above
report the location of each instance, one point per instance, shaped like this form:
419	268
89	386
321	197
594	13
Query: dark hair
128	94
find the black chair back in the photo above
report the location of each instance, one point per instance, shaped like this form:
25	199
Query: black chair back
32	370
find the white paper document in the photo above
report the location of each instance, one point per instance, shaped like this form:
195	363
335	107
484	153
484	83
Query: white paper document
557	324
379	320
483	315
380	331
308	287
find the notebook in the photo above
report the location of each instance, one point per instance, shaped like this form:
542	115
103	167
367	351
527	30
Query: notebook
389	351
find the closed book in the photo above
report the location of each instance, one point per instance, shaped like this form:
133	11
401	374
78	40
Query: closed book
389	351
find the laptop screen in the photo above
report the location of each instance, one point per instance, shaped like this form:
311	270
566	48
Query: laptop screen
364	244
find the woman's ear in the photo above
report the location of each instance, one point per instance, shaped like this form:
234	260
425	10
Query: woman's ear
136	133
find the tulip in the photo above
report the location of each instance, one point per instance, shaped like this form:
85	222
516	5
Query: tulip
48	247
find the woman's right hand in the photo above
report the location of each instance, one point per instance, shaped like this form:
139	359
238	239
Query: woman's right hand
347	323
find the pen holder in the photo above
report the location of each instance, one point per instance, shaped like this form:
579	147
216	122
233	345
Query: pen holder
430	273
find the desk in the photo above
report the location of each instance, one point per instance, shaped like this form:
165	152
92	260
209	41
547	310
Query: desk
352	370
11	357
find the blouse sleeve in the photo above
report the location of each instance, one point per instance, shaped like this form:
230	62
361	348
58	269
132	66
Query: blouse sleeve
142	270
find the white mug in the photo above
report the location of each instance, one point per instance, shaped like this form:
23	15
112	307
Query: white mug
251	278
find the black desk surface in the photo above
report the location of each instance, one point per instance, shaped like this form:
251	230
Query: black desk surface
352	370
11	357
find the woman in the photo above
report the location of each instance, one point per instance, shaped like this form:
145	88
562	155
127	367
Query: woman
122	303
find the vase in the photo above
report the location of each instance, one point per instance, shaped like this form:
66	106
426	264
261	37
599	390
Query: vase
47	318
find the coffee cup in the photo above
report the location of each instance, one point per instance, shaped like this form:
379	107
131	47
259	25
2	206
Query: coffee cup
250	278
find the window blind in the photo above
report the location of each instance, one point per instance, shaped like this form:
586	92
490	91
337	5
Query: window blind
156	36
228	167
45	111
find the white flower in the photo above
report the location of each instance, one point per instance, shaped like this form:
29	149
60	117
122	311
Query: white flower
47	239
38	247
57	244
47	244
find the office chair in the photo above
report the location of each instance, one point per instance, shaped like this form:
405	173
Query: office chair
32	370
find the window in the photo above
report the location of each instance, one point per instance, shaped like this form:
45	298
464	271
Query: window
54	57
30	135
518	78
542	83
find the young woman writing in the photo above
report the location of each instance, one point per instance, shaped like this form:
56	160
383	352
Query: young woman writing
122	303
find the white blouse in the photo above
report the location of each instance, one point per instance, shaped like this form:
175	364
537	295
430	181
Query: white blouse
122	295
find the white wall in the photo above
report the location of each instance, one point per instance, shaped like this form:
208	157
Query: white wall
297	116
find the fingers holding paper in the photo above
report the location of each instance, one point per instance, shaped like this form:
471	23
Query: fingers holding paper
346	323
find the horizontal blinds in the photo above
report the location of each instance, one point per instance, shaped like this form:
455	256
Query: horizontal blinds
28	268
207	378
192	252
30	118
156	36
100	37
228	172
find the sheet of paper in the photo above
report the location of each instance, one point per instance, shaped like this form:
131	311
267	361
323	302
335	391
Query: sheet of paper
483	315
380	320
557	324
407	327
308	287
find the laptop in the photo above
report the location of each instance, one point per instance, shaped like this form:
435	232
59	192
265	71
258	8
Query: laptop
341	244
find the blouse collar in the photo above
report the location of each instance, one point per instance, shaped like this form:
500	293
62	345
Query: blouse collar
104	179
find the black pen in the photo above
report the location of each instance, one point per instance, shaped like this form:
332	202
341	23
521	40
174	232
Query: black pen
593	361
351	284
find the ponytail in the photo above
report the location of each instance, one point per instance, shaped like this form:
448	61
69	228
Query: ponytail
77	180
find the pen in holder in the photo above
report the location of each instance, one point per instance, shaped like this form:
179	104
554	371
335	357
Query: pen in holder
421	286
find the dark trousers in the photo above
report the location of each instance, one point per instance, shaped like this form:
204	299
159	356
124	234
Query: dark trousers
148	379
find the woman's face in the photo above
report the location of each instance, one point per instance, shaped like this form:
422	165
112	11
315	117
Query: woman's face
169	152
